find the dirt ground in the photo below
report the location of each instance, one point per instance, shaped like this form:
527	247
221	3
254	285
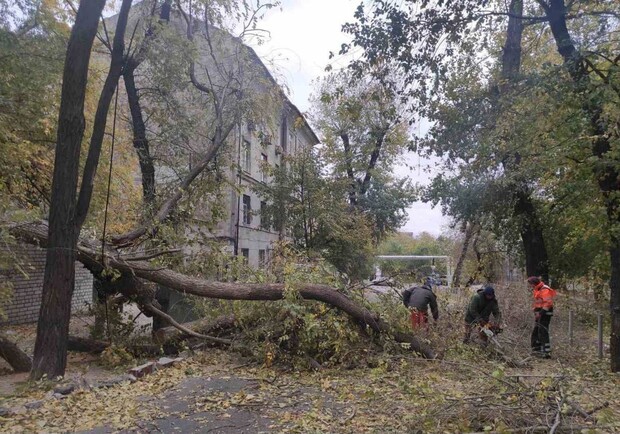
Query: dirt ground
79	365
470	389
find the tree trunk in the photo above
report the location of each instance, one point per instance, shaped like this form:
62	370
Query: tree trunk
19	361
86	345
605	172
479	267
67	213
511	56
50	353
162	295
469	230
140	142
530	228
536	259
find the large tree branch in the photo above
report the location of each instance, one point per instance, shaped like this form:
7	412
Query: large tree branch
374	158
348	161
99	123
89	254
140	141
9	351
173	200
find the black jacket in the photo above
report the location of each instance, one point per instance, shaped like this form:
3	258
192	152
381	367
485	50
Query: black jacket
420	297
480	309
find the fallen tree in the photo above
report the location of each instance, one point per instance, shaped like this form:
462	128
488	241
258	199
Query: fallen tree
9	351
136	279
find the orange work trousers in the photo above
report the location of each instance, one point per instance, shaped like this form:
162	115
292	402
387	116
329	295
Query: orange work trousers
418	319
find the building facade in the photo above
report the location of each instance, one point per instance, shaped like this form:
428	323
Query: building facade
248	230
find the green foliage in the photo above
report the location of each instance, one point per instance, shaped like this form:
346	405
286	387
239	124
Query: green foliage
31	49
503	139
364	132
315	214
292	329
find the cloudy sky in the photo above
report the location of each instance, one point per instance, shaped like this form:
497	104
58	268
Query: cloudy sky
301	35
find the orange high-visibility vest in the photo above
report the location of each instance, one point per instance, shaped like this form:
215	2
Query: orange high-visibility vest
543	297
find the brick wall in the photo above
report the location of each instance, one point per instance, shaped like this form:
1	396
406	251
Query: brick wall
27	290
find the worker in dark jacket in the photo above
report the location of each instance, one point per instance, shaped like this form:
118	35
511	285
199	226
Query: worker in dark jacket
482	305
418	299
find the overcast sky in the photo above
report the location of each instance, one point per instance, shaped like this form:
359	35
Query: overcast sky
301	36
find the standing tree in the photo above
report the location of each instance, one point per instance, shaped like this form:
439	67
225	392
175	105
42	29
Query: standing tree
68	210
419	37
365	132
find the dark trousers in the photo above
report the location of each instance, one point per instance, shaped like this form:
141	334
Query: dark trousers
540	334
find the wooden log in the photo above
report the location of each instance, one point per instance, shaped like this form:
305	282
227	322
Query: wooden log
9	351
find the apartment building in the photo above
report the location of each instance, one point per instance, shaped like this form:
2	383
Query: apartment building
260	137
249	232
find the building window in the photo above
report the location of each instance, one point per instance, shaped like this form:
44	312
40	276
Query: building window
263	169
261	258
283	134
246	255
264	218
247	209
246	156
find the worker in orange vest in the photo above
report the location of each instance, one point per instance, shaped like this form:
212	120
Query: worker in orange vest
543	311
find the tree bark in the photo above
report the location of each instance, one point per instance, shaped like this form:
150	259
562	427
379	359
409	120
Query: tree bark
469	230
67	213
19	361
85	345
511	56
50	353
530	228
605	172
536	259
140	141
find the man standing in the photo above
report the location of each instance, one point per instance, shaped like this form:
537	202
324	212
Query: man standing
418	299
482	305
543	311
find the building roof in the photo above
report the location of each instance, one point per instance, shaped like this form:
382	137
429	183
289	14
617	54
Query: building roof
253	55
